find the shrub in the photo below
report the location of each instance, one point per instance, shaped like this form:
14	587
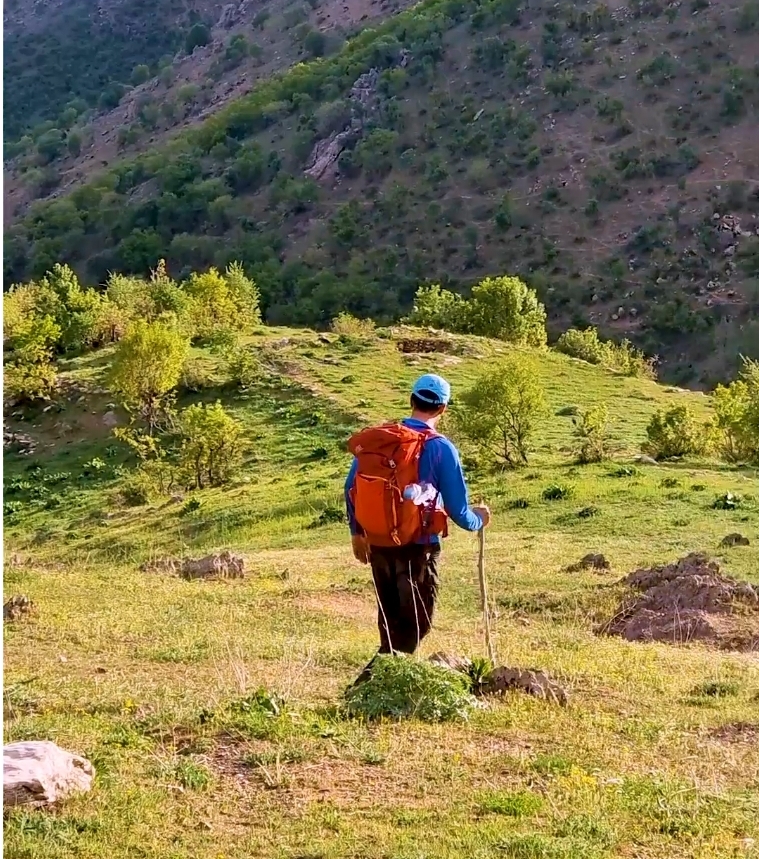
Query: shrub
737	416
590	430
194	376
243	366
401	687
435	307
675	432
228	301
147	367
623	357
557	492
505	308
498	413
350	326
585	345
727	501
136	490
211	448
28	383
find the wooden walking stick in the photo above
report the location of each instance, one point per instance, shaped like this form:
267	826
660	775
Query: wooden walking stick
484	597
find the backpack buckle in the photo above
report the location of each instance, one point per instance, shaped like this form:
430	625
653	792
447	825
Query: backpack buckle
391	463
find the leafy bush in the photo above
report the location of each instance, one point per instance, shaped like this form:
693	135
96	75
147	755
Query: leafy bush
28	383
243	366
623	357
737	416
498	413
401	687
727	501
675	432
435	307
507	309
350	326
218	302
591	433
585	345
211	448
147	367
136	490
557	492
194	376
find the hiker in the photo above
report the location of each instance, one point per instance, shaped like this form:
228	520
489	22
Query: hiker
399	532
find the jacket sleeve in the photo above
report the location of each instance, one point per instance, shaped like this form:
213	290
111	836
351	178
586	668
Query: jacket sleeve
452	485
353	525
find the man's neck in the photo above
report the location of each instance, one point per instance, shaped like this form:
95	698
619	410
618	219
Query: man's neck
430	420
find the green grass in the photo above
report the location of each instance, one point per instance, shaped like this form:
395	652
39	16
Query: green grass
210	709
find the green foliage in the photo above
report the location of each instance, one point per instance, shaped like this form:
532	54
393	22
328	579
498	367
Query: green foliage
591	433
28	382
736	407
198	36
347	325
220	302
401	687
435	307
499	412
147	367
622	357
557	492
507	309
315	43
521	803
242	364
727	501
211	449
675	432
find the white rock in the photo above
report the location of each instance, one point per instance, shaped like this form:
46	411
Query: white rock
39	773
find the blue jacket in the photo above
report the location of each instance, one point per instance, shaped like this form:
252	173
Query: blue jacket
439	465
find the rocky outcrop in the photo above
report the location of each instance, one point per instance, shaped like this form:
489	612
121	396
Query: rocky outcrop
364	99
38	773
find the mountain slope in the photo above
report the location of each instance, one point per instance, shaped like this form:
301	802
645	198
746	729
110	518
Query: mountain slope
605	153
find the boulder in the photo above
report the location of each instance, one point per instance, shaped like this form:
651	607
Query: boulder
39	773
734	540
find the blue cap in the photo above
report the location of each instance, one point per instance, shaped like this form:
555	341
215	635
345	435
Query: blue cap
432	389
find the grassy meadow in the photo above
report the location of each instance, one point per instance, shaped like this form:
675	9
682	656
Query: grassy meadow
209	708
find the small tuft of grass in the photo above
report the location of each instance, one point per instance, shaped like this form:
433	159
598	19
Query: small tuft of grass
588	512
518	504
521	803
557	492
715	689
624	471
727	501
549	764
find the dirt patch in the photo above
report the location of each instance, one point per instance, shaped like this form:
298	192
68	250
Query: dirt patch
592	561
688	600
17	607
224	565
736	732
340	604
424	345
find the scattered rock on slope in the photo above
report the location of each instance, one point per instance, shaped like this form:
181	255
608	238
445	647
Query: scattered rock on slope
592	561
689	600
735	540
223	565
38	773
17	607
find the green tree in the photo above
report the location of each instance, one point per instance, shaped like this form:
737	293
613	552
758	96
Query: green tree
435	307
591	433
198	37
507	309
146	369
74	143
676	432
315	43
140	74
211	448
737	416
499	412
222	302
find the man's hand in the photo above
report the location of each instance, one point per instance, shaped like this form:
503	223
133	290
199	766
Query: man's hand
360	548
484	513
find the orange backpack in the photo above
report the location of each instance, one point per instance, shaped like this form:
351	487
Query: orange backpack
388	461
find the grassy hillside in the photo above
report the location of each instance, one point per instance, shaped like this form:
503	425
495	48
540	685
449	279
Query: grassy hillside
155	679
599	151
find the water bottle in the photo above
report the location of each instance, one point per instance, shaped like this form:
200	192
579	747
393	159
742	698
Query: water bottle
420	493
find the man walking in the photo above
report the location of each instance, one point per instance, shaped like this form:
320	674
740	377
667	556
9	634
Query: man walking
405	481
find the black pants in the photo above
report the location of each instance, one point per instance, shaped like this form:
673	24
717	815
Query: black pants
406	583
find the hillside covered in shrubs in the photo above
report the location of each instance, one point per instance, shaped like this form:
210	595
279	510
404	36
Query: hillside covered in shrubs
596	152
